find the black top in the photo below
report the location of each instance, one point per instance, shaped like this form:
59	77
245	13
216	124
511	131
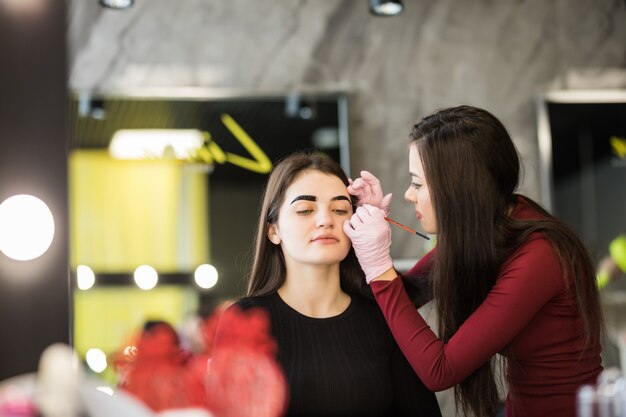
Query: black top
346	365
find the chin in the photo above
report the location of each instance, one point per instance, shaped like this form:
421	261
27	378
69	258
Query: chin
331	260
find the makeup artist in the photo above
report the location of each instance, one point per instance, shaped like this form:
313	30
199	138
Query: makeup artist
337	353
505	275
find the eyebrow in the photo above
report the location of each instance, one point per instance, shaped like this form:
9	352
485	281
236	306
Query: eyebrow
313	198
414	174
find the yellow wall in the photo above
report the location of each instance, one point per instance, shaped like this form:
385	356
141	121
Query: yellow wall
127	213
108	318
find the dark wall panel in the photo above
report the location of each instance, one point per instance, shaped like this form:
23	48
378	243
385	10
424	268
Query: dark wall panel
34	302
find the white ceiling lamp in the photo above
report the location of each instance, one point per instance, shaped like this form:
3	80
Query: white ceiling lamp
116	4
156	143
386	7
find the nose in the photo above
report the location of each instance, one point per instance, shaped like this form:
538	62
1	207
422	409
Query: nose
324	218
409	195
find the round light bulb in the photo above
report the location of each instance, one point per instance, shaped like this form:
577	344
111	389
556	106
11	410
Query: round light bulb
85	278
96	360
205	276
26	227
146	277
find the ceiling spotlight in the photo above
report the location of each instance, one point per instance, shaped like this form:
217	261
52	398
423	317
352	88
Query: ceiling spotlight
385	7
117	4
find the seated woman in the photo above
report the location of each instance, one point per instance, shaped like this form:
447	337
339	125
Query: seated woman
337	353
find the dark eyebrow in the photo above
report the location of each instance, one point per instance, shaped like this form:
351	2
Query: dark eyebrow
304	197
313	198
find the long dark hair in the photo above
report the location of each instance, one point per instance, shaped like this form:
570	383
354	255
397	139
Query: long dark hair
268	268
472	168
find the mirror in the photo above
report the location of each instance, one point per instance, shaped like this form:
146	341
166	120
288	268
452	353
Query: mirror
170	182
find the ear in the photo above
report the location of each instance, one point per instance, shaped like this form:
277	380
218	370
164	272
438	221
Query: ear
272	234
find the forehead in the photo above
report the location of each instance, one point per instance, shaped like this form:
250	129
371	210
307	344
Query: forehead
415	163
311	182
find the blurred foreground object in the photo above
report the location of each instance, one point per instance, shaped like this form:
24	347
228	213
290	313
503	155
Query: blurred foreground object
159	376
614	264
614	311
244	378
58	380
205	334
606	399
60	388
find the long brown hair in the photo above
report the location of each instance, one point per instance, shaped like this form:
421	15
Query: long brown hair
268	268
472	168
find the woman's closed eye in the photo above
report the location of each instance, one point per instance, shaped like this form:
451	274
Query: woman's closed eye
338	211
416	185
342	208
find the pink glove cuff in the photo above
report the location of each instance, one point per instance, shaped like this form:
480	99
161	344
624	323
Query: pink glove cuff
371	239
378	270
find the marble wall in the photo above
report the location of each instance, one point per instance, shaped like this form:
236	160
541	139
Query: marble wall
495	54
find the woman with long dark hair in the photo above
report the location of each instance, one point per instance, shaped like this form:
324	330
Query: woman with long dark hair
506	276
337	353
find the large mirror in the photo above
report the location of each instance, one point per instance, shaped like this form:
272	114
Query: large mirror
164	194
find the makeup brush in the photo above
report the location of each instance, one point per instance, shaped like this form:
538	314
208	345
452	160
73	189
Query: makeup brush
408	229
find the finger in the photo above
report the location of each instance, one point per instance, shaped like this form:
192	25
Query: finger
349	181
348	228
359	216
369	177
358	184
387	200
358	192
374	212
362	211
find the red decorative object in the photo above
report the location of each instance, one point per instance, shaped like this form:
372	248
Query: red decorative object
158	376
244	378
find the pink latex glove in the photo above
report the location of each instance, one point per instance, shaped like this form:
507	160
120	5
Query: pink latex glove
371	240
369	191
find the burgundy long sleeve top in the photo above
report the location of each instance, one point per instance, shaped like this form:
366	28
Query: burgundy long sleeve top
529	311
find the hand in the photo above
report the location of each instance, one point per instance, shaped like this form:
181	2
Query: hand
368	190
371	240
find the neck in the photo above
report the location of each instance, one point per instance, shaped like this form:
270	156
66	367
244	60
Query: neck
314	291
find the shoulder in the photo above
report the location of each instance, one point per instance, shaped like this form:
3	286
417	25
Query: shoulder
535	263
246	303
527	209
537	249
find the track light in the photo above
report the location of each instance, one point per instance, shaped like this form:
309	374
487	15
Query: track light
385	7
117	4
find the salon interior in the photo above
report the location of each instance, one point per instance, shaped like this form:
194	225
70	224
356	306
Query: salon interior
136	137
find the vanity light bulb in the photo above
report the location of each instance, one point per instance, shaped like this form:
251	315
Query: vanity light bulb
85	278
26	227
206	276
146	277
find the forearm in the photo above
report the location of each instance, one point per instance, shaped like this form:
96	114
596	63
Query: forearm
388	275
424	351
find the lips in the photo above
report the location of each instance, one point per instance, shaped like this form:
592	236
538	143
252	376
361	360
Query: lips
325	238
418	214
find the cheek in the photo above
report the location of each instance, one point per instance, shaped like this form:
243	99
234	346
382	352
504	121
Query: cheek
428	203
